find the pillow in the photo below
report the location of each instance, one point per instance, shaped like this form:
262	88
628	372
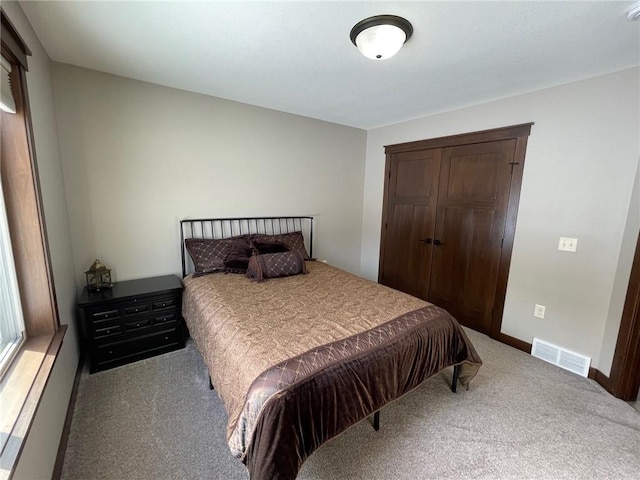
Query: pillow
263	246
293	240
275	265
209	254
237	259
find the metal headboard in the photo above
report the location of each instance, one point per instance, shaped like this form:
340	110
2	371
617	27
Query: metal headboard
230	227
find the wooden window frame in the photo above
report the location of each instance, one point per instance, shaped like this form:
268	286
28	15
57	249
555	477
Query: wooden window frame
23	385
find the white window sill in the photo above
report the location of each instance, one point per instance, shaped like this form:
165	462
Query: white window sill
20	392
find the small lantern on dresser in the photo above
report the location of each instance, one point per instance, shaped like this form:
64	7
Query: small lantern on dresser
98	277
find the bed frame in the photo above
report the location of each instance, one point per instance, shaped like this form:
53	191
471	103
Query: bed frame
216	228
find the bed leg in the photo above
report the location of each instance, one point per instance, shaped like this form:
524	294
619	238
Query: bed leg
454	381
376	421
210	384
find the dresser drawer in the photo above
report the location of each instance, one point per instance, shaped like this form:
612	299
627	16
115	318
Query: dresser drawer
108	331
138	324
105	314
136	309
138	346
163	303
164	319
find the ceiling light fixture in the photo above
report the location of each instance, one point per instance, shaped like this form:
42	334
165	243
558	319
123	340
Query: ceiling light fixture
633	13
382	36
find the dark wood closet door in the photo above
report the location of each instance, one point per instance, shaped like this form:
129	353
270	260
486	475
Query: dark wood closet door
410	218
472	207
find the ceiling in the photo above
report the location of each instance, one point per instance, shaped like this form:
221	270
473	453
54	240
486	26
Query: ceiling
297	56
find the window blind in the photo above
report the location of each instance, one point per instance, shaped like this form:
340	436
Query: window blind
7	101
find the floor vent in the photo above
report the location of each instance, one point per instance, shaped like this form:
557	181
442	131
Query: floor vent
574	362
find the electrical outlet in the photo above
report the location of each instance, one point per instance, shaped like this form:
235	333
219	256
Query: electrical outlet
567	244
538	311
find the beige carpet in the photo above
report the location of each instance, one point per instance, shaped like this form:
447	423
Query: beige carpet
522	418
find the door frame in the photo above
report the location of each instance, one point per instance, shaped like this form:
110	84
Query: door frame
520	133
624	380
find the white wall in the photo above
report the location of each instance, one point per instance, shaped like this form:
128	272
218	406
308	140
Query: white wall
38	456
581	161
140	157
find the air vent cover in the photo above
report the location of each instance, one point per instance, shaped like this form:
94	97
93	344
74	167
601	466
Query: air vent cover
563	358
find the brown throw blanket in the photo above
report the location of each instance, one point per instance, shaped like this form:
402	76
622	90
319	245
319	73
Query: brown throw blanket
298	360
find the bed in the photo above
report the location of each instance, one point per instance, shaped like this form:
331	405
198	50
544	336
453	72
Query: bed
296	360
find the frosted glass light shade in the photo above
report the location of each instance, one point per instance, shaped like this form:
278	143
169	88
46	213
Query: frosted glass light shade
380	42
382	36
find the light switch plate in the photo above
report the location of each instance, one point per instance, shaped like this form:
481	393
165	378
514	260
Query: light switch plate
538	311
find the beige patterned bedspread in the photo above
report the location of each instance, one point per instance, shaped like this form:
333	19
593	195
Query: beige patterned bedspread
297	360
281	318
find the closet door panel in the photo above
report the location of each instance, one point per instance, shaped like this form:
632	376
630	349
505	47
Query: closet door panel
471	211
412	194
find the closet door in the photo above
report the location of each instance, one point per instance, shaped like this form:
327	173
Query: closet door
472	205
410	208
448	221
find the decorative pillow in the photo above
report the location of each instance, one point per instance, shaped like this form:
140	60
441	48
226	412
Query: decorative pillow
293	240
208	254
263	246
275	265
237	259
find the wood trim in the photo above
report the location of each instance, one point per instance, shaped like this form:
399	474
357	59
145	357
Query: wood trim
624	378
13	45
25	213
64	438
44	238
32	372
514	342
601	379
594	373
385	205
492	135
508	236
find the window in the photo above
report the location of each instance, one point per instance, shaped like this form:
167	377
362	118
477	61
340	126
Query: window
29	327
12	333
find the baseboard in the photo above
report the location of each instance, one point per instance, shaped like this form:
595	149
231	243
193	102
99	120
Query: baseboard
514	342
594	373
601	379
64	437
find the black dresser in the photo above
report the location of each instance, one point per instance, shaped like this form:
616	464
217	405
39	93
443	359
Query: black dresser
133	320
